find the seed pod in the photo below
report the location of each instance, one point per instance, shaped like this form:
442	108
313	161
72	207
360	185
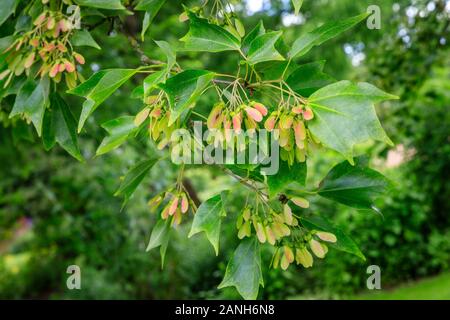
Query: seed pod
239	27
4	74
284	262
326	236
294	222
165	212
155	201
183	17
237	122
254	114
48	46
51	23
162	144
325	247
245	230
300	202
63	25
289	254
62	67
299	130
250	125
260	107
270	123
285	229
141	117
213	117
34	42
276	259
39	20
184	203
29	60
70	67
287	214
246	214
303	257
61	47
177	218
284	137
317	248
300	155
308	114
156	112
54	70
260	232
239	221
297	109
270	236
286	121
173	206
79	58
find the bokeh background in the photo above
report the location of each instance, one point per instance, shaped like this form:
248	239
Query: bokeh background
55	211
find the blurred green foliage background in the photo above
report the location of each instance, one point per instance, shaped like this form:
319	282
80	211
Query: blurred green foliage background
55	211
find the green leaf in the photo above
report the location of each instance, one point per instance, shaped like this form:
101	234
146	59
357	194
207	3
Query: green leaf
325	32
151	8
244	270
119	130
355	186
297	5
344	115
285	176
151	81
32	100
262	48
7	8
208	218
160	238
98	88
64	126
184	89
308	78
134	177
169	52
257	31
203	36
344	242
83	38
101	4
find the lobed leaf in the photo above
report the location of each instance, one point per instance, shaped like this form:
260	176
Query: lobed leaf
262	48
285	176
344	115
355	186
204	36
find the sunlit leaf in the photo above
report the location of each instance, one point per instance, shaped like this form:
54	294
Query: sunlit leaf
344	115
